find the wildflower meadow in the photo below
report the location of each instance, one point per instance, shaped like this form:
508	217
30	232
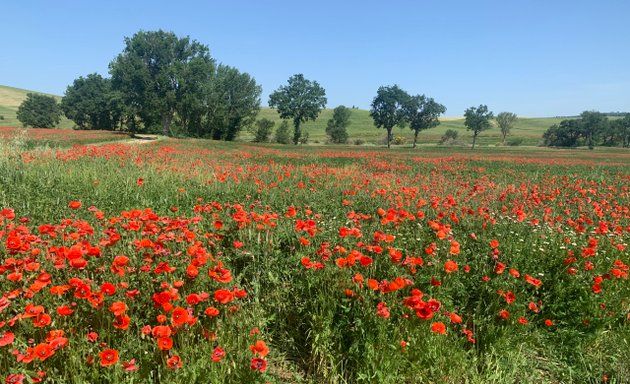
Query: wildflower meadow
193	261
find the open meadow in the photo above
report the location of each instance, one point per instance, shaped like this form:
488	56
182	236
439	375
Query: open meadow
189	261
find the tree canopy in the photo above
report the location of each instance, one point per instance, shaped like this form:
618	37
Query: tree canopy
92	104
477	120
590	129
39	111
300	100
506	121
336	127
387	108
422	113
160	74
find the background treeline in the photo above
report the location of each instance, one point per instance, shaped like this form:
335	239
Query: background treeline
166	84
590	129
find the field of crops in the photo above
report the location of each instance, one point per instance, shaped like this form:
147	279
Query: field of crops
189	261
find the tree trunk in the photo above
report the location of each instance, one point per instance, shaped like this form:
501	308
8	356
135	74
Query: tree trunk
166	123
415	138
389	136
474	139
297	132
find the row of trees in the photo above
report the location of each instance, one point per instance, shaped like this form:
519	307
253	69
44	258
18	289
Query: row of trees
590	129
163	83
392	107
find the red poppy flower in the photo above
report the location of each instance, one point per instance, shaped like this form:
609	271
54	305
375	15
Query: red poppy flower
32	310
75	205
438	327
223	296
108	288
92	337
130	366
165	343
41	320
108	357
122	322
211	311
259	364
179	316
118	308
217	354
43	351
15	378
533	281
455	318
174	362
259	348
64	310
450	266
6	338
161	331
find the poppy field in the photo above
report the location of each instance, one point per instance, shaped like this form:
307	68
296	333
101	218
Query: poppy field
190	261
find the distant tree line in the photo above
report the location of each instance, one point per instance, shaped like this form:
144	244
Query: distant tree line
590	129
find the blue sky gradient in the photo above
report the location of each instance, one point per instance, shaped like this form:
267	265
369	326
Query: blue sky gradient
531	57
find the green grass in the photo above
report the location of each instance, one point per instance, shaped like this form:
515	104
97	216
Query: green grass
322	325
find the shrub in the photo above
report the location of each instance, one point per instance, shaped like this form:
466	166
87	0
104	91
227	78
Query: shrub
515	142
282	133
336	128
449	136
304	138
39	111
399	140
262	130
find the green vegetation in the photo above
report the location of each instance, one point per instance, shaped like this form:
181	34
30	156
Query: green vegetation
39	111
478	119
506	121
387	109
422	113
350	265
337	127
589	129
92	103
301	100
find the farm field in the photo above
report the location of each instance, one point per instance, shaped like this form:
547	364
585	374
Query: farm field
179	261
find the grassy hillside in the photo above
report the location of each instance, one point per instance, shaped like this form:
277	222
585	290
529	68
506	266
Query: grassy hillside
10	100
530	130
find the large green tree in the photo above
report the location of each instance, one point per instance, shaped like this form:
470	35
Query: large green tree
506	121
422	113
160	74
477	120
621	128
233	103
300	100
387	109
565	134
593	123
336	128
39	111
92	104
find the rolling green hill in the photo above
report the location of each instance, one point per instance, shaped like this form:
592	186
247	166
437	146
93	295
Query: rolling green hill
10	100
530	130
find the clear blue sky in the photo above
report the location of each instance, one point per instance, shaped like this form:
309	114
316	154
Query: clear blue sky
531	57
